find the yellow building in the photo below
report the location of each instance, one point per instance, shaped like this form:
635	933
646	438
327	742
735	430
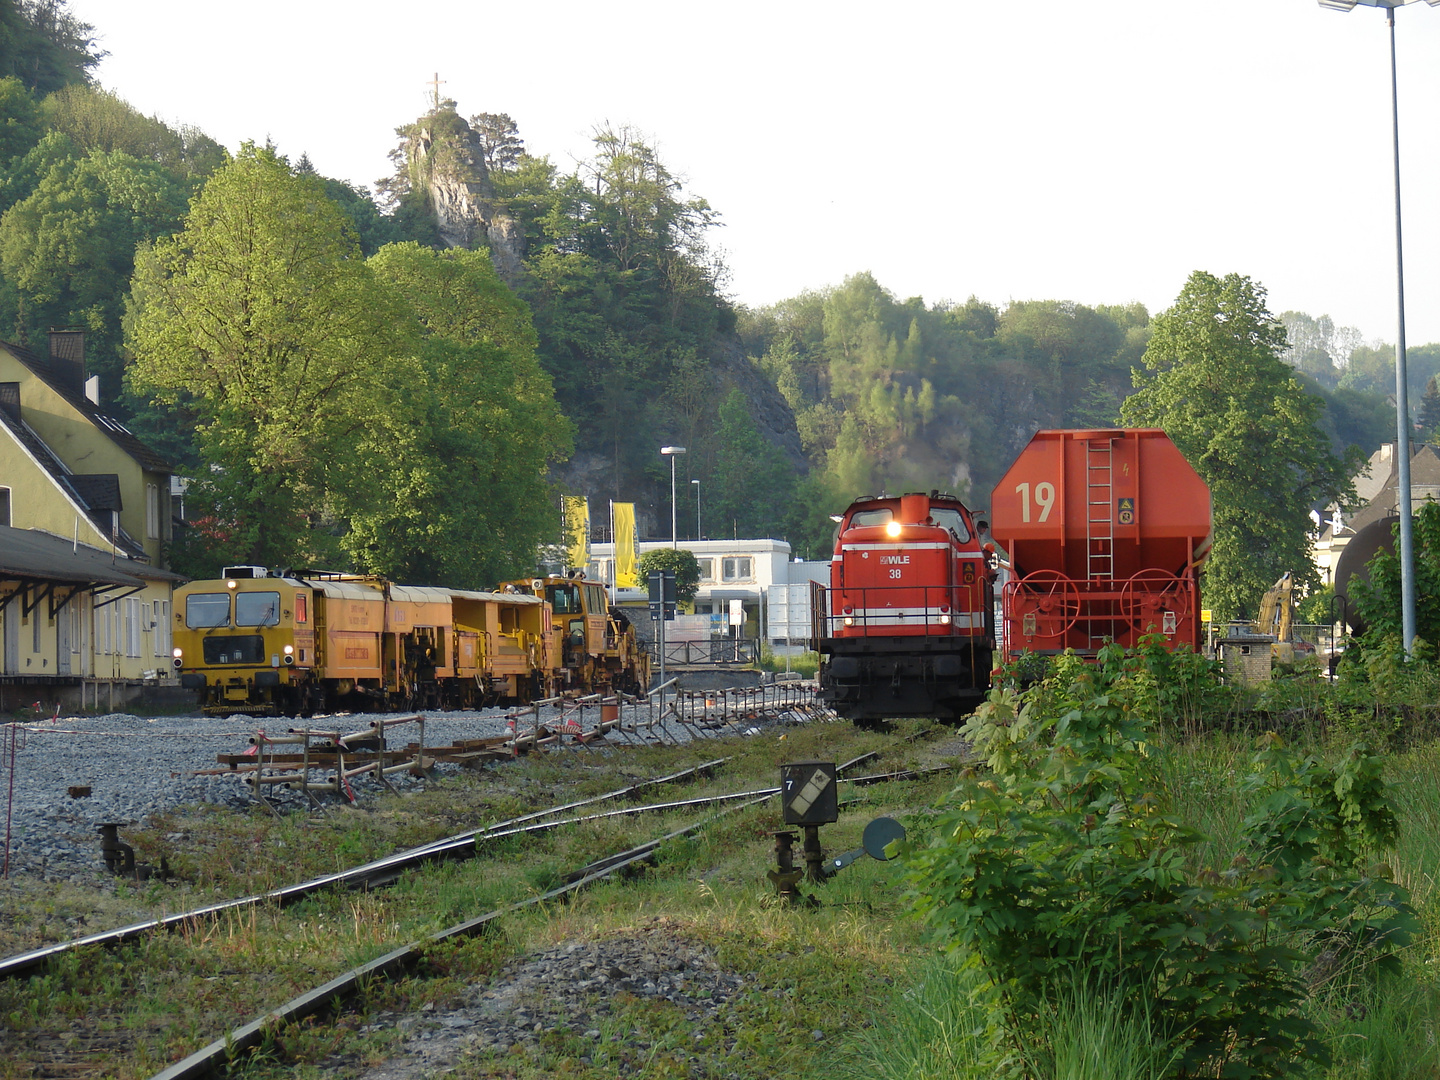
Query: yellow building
84	516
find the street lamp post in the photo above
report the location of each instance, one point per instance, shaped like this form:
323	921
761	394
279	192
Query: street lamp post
1402	393
671	452
697	508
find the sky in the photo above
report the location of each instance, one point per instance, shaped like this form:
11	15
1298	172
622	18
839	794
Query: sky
1094	152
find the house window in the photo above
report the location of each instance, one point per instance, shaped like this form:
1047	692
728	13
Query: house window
737	568
5	506
152	511
707	569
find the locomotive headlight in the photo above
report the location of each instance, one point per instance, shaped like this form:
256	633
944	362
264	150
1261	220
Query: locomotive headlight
892	529
232	584
944	620
176	654
849	620
288	649
289	657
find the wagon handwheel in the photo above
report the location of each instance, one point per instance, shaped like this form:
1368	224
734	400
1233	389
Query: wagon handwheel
1054	599
1151	591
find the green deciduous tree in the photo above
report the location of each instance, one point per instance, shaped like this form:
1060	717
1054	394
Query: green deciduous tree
678	561
1377	600
99	120
474	506
1213	379
262	316
68	249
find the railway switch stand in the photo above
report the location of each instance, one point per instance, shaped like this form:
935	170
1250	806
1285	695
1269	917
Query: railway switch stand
808	799
785	877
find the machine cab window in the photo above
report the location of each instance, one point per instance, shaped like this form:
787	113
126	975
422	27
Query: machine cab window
565	599
257	609
205	610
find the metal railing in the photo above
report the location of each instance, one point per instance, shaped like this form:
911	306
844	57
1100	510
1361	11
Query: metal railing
727	652
931	608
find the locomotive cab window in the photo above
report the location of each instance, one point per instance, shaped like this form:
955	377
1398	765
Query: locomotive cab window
302	608
952	520
257	609
204	610
862	518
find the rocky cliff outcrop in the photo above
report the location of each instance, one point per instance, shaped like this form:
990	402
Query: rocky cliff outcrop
446	162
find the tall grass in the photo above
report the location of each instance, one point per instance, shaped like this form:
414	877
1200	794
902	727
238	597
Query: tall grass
1096	1035
936	1027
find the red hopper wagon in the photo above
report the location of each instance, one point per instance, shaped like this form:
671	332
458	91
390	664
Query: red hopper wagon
1106	531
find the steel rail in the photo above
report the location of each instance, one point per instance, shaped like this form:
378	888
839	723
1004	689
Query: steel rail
371	874
207	1060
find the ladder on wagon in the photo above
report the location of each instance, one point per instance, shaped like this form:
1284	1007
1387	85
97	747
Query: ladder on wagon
1099	531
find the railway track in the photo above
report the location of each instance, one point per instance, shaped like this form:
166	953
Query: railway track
334	993
703	713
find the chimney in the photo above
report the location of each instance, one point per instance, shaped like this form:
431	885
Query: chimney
67	359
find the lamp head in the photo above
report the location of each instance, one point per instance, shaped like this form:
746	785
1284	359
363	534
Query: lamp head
669	451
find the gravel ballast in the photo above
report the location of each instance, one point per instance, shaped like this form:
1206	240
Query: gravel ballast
135	767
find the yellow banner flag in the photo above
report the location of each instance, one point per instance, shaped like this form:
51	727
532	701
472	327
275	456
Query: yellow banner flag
627	573
577	530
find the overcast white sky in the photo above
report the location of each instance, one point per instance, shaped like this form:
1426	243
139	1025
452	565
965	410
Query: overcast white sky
1047	149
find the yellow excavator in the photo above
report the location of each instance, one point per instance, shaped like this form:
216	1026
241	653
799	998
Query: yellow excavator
1277	614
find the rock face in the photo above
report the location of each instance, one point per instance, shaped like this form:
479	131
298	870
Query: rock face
772	414
445	156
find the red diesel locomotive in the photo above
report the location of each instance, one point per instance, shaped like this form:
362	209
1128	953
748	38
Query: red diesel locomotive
907	626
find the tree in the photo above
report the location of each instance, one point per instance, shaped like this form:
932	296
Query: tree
1214	380
474	506
20	124
1430	409
752	475
44	45
501	147
96	119
679	561
262	316
68	249
1377	600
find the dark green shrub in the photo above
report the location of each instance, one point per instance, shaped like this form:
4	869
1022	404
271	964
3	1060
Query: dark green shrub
1063	864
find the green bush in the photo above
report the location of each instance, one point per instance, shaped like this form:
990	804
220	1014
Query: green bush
1064	867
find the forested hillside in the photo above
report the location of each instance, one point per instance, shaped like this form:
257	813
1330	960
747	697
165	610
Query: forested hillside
516	331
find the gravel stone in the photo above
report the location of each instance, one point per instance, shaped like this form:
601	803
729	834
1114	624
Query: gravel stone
571	987
135	767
